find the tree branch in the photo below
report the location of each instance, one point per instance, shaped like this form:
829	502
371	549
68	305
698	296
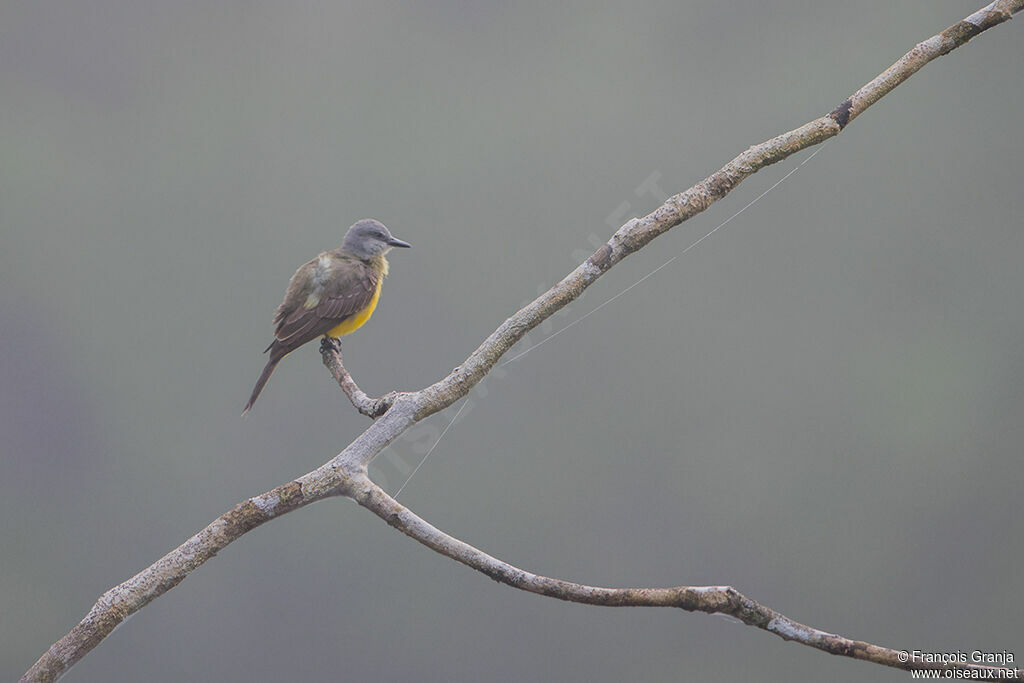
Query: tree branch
709	599
330	353
345	474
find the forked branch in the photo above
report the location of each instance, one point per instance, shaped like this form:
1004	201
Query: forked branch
345	474
330	353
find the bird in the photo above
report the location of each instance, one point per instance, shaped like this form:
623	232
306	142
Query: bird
331	295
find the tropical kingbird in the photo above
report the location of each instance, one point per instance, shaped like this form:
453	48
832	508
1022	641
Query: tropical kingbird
332	295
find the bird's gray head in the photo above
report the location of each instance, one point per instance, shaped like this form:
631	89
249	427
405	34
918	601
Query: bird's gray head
367	238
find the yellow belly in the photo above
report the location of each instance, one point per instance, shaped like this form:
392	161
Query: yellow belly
353	323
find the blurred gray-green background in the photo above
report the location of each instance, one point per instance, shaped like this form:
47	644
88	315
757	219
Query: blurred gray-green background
820	405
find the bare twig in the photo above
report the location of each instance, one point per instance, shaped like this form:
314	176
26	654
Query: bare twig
345	474
710	599
330	353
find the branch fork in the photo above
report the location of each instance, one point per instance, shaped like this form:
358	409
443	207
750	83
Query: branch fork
330	353
393	413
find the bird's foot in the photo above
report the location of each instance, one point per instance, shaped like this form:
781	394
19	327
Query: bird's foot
330	344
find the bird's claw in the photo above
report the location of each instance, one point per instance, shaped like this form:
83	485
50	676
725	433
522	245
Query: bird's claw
330	344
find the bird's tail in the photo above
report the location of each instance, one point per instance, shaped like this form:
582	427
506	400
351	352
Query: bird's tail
268	369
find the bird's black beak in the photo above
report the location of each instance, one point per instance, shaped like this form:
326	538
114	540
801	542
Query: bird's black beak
395	242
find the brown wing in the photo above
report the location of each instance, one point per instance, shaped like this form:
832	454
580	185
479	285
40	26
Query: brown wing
349	288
